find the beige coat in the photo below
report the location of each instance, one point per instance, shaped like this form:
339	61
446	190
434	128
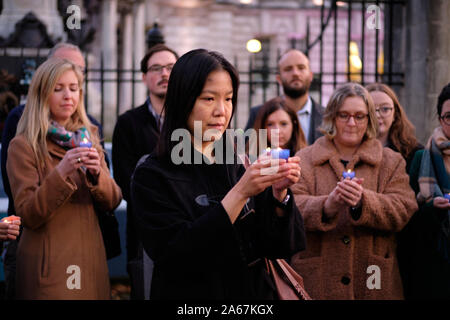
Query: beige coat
61	253
345	257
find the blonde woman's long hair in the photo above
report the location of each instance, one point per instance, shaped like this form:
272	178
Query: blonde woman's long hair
35	121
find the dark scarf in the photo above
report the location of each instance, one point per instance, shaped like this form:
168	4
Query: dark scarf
65	138
434	181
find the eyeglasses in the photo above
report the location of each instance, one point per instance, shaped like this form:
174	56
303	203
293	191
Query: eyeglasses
358	117
446	118
384	111
156	68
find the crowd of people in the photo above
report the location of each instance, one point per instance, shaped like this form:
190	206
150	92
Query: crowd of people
357	206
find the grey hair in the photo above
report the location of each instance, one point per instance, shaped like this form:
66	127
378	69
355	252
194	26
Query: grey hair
60	45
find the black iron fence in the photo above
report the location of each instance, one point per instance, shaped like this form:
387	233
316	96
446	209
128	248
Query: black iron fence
21	62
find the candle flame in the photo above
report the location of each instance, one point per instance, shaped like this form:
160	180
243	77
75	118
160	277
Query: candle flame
85	140
6	221
268	149
349	170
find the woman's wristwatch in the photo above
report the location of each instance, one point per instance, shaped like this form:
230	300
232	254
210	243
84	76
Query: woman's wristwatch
282	204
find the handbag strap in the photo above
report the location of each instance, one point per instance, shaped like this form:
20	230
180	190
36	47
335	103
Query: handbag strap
288	271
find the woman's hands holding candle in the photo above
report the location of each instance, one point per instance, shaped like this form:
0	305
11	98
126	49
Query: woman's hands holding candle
293	170
350	191
441	203
92	162
263	173
79	157
10	227
347	193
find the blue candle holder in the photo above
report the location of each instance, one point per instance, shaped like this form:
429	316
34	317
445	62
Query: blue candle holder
348	174
447	196
280	153
85	143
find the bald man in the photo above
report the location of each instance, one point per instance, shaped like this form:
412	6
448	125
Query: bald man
295	76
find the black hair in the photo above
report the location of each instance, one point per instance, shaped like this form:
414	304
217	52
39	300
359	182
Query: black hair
156	48
186	83
444	96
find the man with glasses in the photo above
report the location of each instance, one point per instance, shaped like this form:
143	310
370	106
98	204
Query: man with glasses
64	51
135	135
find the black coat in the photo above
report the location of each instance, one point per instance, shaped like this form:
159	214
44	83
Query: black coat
135	135
197	252
316	121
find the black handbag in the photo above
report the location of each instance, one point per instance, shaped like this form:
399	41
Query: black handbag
109	227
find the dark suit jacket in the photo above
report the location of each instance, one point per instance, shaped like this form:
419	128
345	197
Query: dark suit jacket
316	120
135	135
9	132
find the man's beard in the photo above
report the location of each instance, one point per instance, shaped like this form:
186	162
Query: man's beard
161	95
295	93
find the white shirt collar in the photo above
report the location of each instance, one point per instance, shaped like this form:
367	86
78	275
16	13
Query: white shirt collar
307	108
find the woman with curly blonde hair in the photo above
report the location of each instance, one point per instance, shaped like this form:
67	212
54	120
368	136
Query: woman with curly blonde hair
58	175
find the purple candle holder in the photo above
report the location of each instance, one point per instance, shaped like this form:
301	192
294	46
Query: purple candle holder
279	153
348	174
85	143
447	196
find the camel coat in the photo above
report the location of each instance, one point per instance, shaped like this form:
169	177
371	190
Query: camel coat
61	253
350	257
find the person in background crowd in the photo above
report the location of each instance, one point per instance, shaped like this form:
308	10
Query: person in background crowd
135	135
295	76
58	174
395	131
282	123
208	226
64	51
425	241
354	196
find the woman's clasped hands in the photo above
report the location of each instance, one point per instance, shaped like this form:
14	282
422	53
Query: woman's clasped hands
265	172
347	194
10	227
80	157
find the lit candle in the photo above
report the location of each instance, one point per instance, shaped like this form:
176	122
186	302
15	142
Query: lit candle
85	143
447	196
348	174
278	153
6	221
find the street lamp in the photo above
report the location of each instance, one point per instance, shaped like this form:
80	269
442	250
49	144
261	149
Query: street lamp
253	46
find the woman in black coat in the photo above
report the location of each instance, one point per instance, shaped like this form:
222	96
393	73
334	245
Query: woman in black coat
206	221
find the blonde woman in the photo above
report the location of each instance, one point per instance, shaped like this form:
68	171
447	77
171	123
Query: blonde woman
56	183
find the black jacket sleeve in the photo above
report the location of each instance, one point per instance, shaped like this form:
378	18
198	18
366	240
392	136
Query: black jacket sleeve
123	153
170	233
280	237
